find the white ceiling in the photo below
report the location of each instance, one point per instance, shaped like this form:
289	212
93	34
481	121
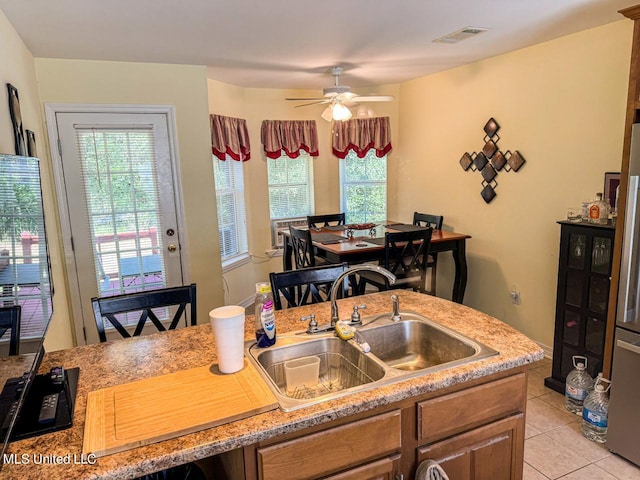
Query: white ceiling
293	44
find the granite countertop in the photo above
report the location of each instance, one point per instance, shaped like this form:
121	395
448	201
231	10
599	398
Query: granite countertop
127	360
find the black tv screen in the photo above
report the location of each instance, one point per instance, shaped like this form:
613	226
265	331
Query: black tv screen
24	281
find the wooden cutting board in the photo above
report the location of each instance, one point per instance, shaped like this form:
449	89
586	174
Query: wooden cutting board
159	408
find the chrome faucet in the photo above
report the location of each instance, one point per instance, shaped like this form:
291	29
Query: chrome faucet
335	286
396	309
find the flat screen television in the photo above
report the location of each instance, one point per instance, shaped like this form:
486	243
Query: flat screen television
25	280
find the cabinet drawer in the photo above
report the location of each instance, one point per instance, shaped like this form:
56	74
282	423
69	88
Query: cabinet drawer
332	450
454	413
383	469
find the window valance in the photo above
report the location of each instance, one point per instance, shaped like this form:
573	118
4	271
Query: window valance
229	136
361	135
289	136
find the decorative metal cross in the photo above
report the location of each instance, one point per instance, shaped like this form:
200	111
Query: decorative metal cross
491	160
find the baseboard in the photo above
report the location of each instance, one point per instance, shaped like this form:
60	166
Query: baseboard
548	351
247	302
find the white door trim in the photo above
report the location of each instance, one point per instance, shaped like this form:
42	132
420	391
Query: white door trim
51	109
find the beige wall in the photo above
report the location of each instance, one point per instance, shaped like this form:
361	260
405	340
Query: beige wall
185	87
562	105
18	68
256	105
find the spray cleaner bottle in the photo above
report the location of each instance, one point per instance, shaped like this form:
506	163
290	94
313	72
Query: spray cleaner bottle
264	317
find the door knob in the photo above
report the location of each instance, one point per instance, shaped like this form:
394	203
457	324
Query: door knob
172	247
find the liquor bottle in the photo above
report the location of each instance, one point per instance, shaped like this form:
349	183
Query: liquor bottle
598	210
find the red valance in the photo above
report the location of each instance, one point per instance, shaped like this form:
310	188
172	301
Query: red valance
229	136
361	135
289	136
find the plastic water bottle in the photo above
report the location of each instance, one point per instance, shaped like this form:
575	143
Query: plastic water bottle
265	318
577	385
595	411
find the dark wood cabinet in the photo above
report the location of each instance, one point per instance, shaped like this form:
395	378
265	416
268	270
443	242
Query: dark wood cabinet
584	278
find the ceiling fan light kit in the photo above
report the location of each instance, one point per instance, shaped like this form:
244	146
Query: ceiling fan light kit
337	95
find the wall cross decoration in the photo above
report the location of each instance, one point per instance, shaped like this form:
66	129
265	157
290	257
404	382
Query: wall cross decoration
491	160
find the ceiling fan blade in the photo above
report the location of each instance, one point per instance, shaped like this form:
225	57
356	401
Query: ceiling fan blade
313	103
305	99
372	98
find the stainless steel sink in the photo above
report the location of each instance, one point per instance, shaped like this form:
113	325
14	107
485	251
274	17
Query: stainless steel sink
411	347
415	345
343	368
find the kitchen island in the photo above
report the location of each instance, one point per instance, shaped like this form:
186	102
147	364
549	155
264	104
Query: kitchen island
400	418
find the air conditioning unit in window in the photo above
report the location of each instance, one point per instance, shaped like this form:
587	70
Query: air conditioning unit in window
282	224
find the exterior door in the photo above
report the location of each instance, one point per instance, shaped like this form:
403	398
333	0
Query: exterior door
118	180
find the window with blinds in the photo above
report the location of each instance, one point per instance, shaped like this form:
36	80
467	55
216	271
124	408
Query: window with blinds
119	176
290	186
232	223
364	187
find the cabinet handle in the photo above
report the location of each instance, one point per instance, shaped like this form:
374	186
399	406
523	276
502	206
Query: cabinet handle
628	346
398	477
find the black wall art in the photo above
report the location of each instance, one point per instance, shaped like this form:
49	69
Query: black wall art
16	120
491	160
31	143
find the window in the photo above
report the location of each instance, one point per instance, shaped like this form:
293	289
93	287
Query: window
232	225
290	186
364	187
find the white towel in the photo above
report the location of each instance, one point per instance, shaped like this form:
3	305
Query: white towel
430	470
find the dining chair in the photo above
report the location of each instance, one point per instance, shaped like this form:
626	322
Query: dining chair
306	285
435	222
10	319
144	302
332	219
303	251
406	256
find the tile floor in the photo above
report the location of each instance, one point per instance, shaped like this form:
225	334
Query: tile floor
554	446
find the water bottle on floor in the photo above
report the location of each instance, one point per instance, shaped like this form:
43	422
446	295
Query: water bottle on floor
595	411
577	385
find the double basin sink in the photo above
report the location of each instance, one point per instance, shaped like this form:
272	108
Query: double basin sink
399	350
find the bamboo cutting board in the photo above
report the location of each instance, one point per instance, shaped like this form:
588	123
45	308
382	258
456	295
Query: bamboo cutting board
159	408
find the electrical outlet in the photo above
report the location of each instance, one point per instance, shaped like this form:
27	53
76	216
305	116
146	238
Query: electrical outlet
515	296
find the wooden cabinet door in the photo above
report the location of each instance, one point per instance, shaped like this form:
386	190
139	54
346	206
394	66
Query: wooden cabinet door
492	452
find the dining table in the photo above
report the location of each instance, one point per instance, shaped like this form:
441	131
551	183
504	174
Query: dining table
348	244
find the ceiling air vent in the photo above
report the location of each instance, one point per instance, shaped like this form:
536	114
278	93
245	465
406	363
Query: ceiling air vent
462	34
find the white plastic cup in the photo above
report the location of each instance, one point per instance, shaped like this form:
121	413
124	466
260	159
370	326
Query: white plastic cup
227	324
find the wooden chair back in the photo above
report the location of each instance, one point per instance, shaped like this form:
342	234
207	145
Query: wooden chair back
435	222
306	285
406	256
301	242
428	220
10	319
317	221
144	302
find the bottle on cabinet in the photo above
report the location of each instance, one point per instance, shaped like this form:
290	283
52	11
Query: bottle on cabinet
598	210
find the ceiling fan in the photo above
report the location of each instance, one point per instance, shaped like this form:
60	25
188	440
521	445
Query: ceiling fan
340	98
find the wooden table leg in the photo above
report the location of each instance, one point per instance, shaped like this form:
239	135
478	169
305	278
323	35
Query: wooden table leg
460	260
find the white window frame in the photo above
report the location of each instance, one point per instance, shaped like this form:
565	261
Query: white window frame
308	186
236	189
351	155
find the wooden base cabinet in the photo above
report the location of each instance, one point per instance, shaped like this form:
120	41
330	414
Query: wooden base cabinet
475	432
492	452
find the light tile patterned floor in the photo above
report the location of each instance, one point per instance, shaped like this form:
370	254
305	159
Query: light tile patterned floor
554	446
